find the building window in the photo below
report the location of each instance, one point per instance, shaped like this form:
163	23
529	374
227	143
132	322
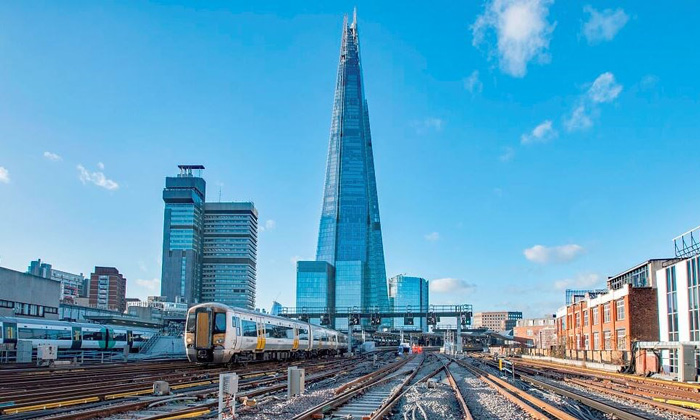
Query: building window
596	341
620	309
586	341
621	343
693	266
596	315
672	302
585	318
578	319
608	340
606	313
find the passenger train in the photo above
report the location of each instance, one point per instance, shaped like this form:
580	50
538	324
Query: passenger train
72	335
216	333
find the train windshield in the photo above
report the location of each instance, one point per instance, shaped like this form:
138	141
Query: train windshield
220	323
191	324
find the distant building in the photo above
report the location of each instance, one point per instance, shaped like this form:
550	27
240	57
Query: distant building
276	308
83	313
315	287
27	295
107	289
642	275
496	321
409	294
573	295
610	321
155	309
183	229
541	332
230	254
350	232
73	286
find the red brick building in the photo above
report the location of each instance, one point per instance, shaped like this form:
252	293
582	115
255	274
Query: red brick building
540	332
609	322
107	289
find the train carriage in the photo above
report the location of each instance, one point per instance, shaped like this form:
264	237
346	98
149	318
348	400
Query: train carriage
216	333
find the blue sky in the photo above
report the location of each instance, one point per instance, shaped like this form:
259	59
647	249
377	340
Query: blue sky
521	146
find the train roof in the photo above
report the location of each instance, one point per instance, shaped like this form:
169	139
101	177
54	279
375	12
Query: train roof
256	313
57	323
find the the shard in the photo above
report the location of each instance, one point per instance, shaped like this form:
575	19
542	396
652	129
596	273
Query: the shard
350	234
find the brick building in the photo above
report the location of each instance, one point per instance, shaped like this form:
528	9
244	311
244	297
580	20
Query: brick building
107	289
611	321
540	332
496	321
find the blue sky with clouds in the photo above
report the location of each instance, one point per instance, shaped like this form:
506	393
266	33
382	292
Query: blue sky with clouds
521	146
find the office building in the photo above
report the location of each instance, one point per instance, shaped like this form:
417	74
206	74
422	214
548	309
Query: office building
496	321
540	332
315	287
209	249
183	228
73	286
642	275
575	295
409	294
27	295
229	254
107	289
350	235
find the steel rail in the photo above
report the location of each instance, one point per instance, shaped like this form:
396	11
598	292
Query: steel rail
467	415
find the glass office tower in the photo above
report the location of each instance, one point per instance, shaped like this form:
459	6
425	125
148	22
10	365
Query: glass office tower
350	236
182	235
229	256
315	287
409	294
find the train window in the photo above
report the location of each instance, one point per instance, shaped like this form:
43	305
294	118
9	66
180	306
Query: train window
191	323
235	322
220	323
92	336
317	334
250	329
58	335
119	336
303	333
31	334
278	331
137	337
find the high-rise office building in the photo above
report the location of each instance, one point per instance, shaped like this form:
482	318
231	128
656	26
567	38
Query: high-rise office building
230	254
107	289
350	236
409	295
209	249
183	228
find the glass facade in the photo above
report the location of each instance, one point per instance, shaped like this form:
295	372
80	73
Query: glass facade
230	254
182	237
672	303
315	286
350	237
409	294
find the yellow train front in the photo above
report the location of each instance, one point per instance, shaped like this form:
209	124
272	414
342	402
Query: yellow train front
216	333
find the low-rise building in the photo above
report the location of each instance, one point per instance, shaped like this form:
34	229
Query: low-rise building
156	309
541	332
496	321
608	322
27	295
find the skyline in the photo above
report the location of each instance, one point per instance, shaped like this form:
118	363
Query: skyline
553	154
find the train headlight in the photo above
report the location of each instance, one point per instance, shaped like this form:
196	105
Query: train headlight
189	340
219	341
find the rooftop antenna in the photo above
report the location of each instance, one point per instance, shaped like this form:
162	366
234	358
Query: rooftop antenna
219	193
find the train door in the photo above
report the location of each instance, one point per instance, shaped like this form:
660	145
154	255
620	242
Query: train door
129	339
295	343
202	338
9	333
76	339
261	336
235	332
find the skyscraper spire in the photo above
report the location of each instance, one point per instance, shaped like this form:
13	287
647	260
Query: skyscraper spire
354	17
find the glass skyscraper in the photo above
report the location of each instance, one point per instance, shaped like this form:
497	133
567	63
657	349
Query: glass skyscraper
182	235
350	236
410	294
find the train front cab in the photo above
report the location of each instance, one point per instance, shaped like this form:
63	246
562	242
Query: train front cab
205	335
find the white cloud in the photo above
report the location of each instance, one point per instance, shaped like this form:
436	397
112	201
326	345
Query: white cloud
579	119
521	29
98	178
52	156
557	254
432	237
507	155
604	88
540	134
153	285
428	124
4	175
603	26
269	225
101	166
473	84
581	281
451	285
